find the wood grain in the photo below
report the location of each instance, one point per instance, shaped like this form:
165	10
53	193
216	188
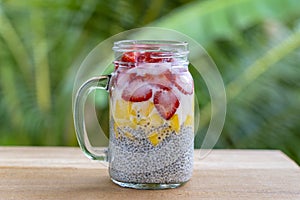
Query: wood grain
64	173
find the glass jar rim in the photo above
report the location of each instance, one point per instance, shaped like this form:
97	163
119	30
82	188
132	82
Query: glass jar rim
150	45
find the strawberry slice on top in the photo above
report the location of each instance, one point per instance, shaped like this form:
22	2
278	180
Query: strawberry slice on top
145	57
166	103
130	57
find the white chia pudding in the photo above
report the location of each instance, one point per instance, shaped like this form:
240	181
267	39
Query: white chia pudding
138	161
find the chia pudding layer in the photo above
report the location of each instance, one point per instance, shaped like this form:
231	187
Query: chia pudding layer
138	161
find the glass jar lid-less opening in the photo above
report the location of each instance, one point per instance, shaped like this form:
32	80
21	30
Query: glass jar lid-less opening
164	48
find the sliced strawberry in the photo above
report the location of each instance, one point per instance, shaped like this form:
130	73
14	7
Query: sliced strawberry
161	81
137	90
129	57
184	82
140	94
149	57
146	57
166	103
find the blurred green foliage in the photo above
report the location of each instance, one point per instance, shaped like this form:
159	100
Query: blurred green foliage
255	44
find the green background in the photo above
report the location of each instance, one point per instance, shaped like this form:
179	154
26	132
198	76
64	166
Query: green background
255	44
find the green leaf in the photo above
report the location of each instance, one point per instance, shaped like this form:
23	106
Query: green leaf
206	21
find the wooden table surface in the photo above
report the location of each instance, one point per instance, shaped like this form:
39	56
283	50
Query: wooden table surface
65	173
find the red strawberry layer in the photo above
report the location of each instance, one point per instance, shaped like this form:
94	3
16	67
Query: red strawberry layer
145	57
130	57
137	90
166	103
137	85
141	85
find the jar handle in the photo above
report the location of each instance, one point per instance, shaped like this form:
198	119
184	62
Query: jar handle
79	121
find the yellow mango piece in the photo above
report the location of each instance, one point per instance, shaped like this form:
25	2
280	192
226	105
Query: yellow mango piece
147	109
153	138
143	122
143	109
139	113
133	112
175	124
156	137
122	109
125	123
156	120
189	121
134	120
131	125
118	129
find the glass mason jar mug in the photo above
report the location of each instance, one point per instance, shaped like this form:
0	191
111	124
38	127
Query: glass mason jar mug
151	137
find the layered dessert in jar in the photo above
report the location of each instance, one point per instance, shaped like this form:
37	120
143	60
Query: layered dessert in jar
151	119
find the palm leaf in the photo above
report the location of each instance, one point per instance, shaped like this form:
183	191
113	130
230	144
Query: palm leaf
206	21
